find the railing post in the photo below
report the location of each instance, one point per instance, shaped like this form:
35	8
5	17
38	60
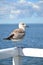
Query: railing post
17	59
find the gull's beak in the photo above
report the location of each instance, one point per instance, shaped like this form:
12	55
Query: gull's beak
27	26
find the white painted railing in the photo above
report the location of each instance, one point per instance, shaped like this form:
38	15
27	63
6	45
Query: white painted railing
17	53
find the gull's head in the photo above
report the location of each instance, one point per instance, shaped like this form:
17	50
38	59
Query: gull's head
23	26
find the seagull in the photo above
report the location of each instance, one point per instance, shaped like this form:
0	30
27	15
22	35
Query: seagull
17	34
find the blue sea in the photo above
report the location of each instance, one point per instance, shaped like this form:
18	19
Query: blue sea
32	39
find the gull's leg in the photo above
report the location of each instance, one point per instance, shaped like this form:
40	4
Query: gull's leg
17	44
21	45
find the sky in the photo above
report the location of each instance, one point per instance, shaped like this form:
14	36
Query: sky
15	11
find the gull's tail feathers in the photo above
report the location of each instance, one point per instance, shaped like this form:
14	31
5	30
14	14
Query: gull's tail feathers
9	38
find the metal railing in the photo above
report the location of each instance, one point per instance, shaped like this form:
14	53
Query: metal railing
17	53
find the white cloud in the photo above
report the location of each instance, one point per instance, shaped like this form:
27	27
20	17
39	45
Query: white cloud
21	8
15	11
22	1
35	6
11	16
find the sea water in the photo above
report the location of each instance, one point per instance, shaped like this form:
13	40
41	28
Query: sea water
33	39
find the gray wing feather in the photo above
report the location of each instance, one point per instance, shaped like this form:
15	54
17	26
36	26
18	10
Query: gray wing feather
18	34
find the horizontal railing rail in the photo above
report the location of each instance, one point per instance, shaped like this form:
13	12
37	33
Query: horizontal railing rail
16	53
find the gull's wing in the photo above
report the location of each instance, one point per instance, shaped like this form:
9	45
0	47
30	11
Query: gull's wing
9	37
18	34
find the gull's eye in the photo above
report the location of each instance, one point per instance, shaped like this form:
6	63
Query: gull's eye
22	23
